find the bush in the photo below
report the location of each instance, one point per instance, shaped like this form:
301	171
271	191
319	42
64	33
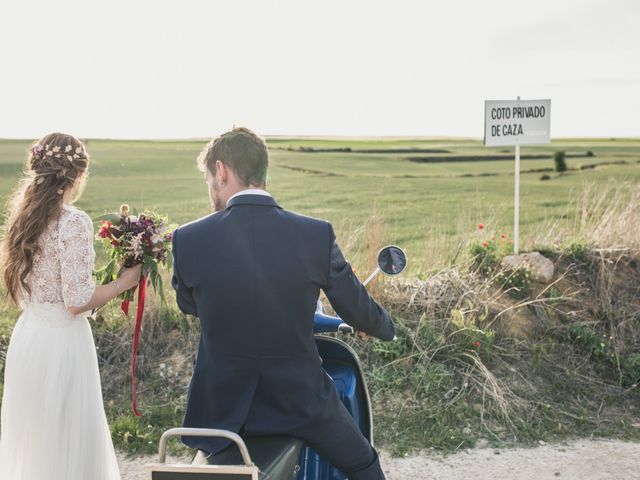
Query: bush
516	281
545	177
626	366
590	154
560	160
578	251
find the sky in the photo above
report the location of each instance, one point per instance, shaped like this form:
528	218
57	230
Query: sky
195	68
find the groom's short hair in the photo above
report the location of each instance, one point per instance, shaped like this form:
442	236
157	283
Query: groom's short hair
241	150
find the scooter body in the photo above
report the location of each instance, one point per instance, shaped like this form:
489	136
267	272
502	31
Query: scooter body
342	364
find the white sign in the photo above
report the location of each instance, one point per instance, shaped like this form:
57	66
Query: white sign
516	122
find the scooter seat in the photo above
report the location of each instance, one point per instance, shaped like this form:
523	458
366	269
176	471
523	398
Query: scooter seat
277	457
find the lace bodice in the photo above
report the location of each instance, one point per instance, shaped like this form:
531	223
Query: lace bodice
63	269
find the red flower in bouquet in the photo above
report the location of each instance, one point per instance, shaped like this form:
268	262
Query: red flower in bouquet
104	231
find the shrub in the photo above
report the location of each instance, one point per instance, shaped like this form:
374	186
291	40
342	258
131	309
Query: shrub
630	366
516	281
601	348
578	251
590	154
489	249
545	177
559	159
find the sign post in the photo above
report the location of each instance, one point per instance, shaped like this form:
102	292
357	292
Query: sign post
516	122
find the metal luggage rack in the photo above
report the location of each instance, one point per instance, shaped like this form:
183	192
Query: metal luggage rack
164	471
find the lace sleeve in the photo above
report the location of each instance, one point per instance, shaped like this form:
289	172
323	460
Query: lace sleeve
76	259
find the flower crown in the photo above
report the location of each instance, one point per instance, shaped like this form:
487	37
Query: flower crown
40	152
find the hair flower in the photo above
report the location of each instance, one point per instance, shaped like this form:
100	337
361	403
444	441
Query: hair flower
56	149
79	150
67	148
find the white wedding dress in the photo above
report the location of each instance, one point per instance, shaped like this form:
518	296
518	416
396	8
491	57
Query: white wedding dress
53	425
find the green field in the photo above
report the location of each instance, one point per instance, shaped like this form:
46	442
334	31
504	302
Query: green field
428	208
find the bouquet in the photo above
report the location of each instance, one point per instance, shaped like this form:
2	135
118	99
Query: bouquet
129	240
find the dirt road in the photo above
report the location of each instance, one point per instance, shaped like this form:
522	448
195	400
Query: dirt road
577	460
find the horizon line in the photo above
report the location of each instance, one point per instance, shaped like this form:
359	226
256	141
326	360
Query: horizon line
325	137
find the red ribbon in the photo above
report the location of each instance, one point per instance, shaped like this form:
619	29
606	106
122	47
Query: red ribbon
142	290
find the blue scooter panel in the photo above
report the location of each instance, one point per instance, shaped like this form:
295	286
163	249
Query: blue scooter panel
342	365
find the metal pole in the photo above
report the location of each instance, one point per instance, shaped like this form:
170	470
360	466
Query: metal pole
372	276
516	203
516	209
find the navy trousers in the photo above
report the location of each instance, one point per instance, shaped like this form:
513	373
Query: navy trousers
341	443
338	440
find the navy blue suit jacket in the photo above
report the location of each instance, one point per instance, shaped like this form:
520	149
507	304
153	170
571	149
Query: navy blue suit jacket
252	274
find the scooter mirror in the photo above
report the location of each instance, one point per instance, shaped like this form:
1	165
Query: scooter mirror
392	260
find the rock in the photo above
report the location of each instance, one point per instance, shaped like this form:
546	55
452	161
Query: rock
482	443
541	268
467	431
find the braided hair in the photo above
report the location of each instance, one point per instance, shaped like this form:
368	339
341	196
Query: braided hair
55	164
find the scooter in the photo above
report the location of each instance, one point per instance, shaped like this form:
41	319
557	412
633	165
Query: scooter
281	457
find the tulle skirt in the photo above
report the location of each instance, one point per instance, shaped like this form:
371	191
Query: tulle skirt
53	424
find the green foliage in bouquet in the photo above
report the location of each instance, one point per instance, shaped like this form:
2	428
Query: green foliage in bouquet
132	238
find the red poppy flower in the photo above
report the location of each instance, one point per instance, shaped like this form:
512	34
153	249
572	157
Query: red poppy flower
485	244
481	226
476	344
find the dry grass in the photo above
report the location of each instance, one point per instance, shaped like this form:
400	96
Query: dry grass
604	218
561	360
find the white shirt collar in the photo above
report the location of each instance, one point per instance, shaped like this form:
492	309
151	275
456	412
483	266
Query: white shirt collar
249	191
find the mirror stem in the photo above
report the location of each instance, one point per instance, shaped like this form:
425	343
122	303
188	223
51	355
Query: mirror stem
372	276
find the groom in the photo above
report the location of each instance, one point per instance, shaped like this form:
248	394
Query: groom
252	273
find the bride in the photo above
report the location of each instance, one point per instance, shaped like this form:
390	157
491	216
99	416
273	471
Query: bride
53	424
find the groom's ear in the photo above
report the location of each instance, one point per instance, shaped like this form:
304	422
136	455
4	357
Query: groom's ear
221	171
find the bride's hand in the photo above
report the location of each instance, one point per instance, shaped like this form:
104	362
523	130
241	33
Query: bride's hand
129	277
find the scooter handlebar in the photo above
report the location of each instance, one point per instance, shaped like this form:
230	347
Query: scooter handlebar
326	323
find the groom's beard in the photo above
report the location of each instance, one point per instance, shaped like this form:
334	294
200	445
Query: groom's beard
217	202
218	205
